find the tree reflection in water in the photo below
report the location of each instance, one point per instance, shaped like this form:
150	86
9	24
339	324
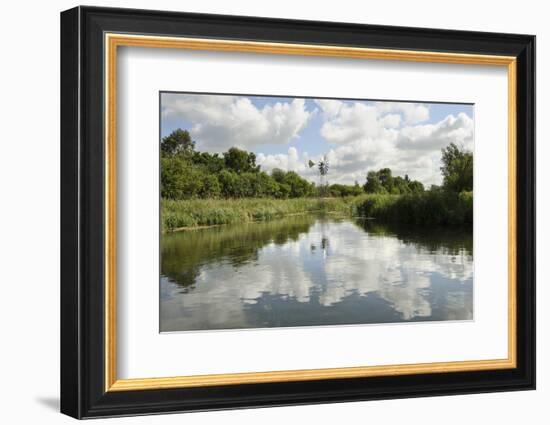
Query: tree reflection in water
307	270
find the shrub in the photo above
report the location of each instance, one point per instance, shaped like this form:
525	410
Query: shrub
432	207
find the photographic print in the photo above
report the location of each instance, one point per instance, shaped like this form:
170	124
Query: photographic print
292	211
332	210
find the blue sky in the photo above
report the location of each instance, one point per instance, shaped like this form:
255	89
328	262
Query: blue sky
356	135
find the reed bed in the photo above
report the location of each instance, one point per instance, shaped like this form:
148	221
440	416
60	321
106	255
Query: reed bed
431	207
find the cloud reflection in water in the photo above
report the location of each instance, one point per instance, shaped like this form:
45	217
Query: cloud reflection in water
303	271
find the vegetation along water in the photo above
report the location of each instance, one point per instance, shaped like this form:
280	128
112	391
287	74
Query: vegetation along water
243	248
203	189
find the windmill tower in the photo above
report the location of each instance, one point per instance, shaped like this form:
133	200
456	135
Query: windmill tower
323	172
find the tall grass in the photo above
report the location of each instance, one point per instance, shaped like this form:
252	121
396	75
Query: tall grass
208	212
432	207
439	208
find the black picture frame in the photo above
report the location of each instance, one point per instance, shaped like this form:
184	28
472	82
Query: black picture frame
83	392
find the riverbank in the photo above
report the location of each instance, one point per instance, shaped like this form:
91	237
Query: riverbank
438	208
427	208
195	213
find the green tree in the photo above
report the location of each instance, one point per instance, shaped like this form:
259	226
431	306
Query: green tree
457	169
386	178
299	187
383	181
416	186
283	190
179	179
400	186
278	175
178	142
291	184
240	161
373	184
265	185
210	186
357	189
230	184
337	190
211	162
342	190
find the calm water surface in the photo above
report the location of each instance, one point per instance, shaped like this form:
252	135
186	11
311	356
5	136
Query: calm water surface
307	270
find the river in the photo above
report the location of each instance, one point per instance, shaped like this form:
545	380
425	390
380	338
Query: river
311	271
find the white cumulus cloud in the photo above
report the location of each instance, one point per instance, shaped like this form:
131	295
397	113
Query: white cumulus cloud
452	129
290	161
413	112
370	136
219	122
357	136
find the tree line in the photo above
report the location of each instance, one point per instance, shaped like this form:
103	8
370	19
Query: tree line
189	174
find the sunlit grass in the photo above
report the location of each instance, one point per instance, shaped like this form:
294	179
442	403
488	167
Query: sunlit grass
436	207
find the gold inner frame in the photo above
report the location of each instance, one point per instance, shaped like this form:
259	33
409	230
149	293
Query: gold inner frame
113	41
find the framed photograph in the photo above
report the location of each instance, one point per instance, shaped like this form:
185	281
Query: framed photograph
261	212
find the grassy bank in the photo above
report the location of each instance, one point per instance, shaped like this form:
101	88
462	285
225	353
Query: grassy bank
208	212
438	208
427	208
